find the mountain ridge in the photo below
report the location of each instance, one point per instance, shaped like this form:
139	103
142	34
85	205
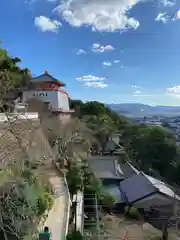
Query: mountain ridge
140	110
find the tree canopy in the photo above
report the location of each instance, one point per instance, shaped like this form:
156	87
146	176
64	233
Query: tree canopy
151	149
12	77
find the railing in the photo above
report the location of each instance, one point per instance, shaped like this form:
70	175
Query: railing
68	206
68	200
79	198
15	116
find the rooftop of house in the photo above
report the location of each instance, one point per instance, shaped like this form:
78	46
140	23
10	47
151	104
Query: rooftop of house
46	77
105	167
128	169
140	185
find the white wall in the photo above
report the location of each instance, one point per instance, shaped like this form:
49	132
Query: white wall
57	100
51	97
63	101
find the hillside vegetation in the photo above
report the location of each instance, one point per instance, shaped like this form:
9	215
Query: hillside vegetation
24	195
150	148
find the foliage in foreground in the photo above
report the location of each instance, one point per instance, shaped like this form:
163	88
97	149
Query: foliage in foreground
22	201
74	235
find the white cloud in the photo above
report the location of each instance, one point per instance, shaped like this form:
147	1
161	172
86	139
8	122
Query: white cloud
80	52
90	78
137	92
174	90
107	64
162	17
168	3
116	61
96	47
178	15
46	24
136	86
101	15
110	63
96	84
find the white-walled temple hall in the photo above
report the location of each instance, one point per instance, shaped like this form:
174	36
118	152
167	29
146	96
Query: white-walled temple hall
48	90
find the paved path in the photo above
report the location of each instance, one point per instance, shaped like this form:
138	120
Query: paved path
57	217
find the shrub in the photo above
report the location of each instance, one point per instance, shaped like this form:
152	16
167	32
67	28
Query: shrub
107	199
131	212
44	202
28	175
75	235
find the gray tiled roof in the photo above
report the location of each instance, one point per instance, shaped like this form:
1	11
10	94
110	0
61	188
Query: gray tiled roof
104	167
128	170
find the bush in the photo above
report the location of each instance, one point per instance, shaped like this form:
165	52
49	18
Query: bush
28	175
75	235
131	212
44	202
107	199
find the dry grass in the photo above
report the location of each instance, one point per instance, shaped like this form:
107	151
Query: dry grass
23	140
122	229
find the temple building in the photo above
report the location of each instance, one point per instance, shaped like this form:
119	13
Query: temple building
47	89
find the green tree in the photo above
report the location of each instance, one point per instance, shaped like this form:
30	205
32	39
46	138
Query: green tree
12	78
150	148
74	178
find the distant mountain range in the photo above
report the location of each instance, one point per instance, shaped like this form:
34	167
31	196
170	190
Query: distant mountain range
140	110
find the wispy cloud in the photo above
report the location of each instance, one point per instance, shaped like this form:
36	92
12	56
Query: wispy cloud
116	61
168	3
107	64
93	81
96	84
90	78
162	17
110	63
97	48
46	24
136	86
137	92
80	52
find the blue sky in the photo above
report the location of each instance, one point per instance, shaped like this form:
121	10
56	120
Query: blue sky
110	51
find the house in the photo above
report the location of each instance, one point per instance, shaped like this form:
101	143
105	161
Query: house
112	146
131	186
105	168
50	91
145	192
128	169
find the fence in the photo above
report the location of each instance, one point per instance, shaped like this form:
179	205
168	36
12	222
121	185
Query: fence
68	200
16	116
